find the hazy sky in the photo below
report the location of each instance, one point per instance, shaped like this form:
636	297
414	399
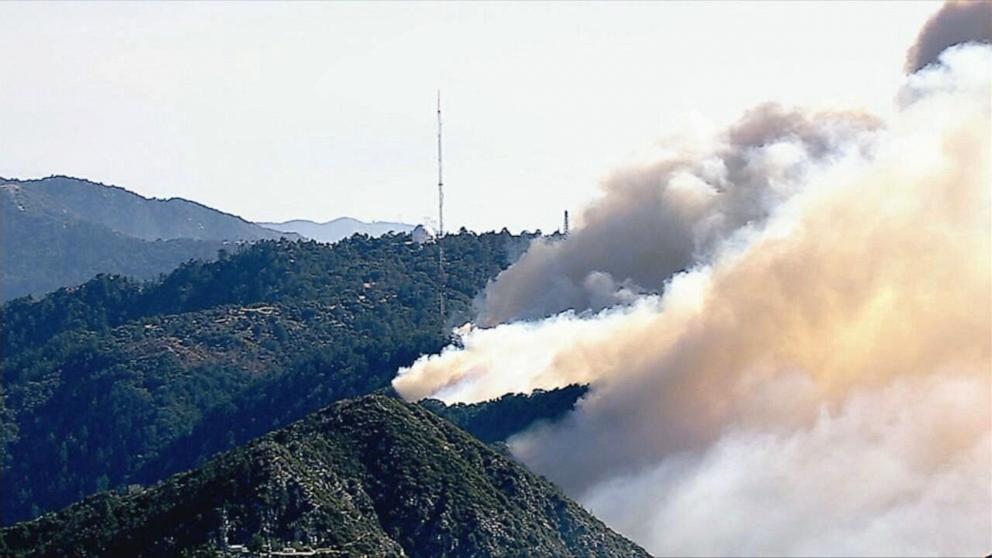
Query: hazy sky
315	110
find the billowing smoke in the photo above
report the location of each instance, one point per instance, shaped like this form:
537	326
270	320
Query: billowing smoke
818	378
957	23
654	221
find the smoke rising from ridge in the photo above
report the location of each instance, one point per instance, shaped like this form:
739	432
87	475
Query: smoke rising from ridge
956	23
816	382
654	221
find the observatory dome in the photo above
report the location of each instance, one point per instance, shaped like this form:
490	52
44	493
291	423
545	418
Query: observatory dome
422	234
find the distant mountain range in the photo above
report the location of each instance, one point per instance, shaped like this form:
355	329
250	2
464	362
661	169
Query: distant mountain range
337	229
128	213
373	476
61	231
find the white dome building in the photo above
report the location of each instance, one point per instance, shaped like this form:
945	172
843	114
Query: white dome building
422	234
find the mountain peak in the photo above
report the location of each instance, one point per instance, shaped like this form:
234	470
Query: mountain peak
372	475
58	231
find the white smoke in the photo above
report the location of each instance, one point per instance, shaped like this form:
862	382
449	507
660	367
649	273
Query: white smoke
863	480
819	380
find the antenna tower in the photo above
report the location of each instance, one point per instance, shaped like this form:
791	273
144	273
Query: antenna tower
566	223
440	221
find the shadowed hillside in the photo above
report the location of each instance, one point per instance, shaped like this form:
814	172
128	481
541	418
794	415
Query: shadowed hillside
366	477
60	231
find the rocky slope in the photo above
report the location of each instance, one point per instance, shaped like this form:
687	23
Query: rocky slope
373	476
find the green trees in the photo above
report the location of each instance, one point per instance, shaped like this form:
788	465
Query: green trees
498	419
372	476
134	381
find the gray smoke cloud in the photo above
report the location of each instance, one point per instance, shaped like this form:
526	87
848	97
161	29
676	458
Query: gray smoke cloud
956	23
654	221
817	381
662	218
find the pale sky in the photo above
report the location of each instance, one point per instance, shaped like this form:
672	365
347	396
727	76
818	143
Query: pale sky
318	110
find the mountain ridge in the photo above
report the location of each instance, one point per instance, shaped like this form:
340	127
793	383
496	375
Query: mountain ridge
367	476
338	228
118	381
61	231
75	196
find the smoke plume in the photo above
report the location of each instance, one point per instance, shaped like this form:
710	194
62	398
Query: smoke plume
814	374
654	221
959	22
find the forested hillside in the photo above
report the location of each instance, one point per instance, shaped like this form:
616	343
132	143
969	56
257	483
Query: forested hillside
366	477
498	419
117	381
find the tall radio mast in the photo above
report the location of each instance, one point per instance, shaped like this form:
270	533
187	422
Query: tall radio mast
440	221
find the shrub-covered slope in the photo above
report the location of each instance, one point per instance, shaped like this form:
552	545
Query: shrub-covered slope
498	419
367	477
119	382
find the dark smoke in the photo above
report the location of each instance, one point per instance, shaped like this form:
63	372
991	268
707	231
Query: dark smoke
659	219
956	23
